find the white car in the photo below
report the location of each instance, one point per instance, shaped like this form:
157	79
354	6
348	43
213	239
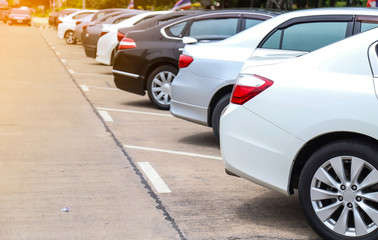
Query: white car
311	123
202	88
67	24
108	42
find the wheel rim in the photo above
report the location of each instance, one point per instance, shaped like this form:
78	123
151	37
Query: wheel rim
70	37
344	195
161	87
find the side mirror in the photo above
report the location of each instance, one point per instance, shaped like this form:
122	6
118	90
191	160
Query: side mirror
189	40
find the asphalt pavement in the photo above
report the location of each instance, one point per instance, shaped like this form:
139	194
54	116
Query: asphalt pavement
62	173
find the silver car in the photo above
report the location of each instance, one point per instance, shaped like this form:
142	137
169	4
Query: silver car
207	74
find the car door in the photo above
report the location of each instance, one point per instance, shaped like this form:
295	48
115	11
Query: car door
299	36
373	58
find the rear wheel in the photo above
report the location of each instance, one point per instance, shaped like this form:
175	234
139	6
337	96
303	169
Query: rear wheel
338	190
70	38
219	107
159	86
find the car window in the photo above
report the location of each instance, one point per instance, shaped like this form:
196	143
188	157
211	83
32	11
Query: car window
176	30
251	22
367	26
221	27
120	20
81	15
307	36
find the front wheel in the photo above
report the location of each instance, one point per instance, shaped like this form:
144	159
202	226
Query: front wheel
159	86
70	38
338	190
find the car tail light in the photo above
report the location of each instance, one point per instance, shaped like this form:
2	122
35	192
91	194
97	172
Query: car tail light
78	22
185	61
126	43
120	36
60	21
103	33
84	27
248	86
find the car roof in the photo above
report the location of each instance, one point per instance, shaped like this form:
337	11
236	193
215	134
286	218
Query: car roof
151	22
215	12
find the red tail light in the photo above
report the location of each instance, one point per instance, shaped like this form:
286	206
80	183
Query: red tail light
84	27
249	86
120	36
185	61
60	22
103	33
78	22
127	43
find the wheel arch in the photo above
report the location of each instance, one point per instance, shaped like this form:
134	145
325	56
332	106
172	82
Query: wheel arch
155	65
316	143
217	96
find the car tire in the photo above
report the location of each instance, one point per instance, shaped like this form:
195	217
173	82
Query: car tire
70	38
218	109
338	190
159	86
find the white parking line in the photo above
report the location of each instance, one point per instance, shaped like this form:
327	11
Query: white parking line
71	71
63	60
84	88
103	88
105	115
154	177
132	111
173	152
57	53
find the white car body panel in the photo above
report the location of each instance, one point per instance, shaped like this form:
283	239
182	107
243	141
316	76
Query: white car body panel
68	23
221	62
108	42
329	90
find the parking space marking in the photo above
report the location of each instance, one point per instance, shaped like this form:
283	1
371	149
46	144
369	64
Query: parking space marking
154	177
71	71
132	111
103	88
105	115
57	53
173	152
84	88
63	60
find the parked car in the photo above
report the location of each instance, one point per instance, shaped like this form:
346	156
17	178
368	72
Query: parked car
147	59
54	16
312	123
66	25
208	70
91	33
79	26
84	22
107	44
19	16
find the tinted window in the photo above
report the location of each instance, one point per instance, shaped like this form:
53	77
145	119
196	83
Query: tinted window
176	30
220	27
273	41
251	22
308	36
81	15
368	26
